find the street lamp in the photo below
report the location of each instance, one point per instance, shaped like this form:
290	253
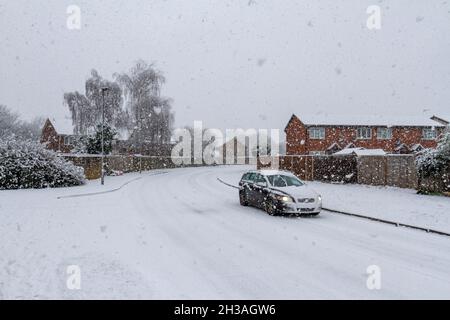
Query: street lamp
104	89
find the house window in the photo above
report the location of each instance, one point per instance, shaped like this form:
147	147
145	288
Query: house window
317	153
68	140
364	133
384	133
428	134
316	133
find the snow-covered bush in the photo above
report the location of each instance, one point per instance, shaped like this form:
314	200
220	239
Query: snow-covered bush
26	164
433	166
432	161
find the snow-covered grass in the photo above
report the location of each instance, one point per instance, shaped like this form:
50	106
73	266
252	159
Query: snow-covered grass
183	235
390	203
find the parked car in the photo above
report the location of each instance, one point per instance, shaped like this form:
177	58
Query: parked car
278	192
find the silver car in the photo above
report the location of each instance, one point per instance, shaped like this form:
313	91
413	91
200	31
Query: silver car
278	192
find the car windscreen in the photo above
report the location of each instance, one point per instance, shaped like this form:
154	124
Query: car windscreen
281	181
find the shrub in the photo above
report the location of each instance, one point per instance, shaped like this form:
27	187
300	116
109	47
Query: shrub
26	164
433	166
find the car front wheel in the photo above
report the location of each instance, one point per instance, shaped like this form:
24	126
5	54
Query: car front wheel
270	208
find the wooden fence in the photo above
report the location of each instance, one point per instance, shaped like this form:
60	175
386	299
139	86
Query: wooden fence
389	170
92	163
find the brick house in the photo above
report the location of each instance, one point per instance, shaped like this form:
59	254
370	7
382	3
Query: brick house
324	134
58	135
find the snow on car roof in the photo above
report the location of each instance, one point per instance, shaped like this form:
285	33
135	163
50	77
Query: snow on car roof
269	172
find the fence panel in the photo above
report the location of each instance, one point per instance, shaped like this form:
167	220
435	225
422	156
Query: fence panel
401	171
335	168
372	170
391	170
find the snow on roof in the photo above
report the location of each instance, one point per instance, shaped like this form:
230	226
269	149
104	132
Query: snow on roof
326	119
401	146
416	146
62	125
346	151
370	152
123	134
335	144
361	152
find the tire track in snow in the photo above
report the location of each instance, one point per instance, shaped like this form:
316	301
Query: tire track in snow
108	191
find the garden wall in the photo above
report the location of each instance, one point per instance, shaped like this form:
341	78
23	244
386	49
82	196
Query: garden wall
92	163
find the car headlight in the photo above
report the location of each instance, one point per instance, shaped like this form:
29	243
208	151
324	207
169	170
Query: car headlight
284	198
319	198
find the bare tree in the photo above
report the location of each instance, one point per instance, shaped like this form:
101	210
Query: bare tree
8	121
133	103
151	115
11	125
86	109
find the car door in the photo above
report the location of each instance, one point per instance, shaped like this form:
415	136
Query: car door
259	190
248	187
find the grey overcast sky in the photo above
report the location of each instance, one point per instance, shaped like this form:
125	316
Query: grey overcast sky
234	63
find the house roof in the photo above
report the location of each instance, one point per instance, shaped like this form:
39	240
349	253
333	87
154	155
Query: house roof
334	144
62	125
327	119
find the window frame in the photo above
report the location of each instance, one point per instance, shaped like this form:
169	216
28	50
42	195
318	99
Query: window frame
370	129
68	140
321	133
385	129
428	138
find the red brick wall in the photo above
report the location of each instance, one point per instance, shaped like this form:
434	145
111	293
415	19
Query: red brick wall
298	141
52	139
296	137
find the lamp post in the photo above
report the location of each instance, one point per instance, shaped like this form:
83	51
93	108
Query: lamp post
104	89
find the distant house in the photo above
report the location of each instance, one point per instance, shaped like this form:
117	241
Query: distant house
234	152
57	135
325	134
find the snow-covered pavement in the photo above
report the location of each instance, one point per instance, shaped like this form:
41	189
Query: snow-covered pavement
183	235
389	203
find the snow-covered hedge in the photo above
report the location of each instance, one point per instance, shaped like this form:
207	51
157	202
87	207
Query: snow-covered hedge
433	161
25	164
433	166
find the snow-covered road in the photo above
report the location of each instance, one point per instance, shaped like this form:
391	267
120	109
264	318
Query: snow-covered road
183	235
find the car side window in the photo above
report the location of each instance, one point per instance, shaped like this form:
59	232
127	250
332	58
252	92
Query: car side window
279	181
260	178
251	177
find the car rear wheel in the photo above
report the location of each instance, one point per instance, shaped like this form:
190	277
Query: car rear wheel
243	198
